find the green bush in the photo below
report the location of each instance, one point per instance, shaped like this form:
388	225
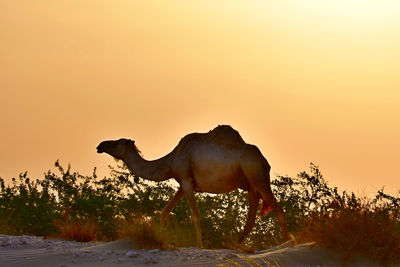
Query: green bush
38	207
27	207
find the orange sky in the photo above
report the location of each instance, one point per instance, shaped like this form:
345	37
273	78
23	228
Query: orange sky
306	81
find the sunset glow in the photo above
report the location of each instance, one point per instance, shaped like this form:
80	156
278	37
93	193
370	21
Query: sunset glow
305	81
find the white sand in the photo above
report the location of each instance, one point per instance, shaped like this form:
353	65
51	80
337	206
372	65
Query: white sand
35	251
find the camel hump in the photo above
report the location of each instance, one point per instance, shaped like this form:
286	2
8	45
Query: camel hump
223	135
226	134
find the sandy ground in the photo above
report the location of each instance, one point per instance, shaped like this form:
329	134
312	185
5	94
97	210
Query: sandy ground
35	251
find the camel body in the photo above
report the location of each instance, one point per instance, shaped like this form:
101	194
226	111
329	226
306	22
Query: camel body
214	161
219	161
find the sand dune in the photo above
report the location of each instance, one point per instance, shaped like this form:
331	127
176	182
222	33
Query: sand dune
36	251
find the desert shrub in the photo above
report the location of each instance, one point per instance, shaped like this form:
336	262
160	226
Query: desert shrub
143	232
97	207
27	207
150	232
86	200
356	226
37	207
81	231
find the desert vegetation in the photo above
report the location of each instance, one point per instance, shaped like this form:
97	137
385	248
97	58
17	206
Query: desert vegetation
69	205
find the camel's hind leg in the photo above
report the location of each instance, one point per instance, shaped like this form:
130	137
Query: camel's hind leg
256	172
170	206
280	214
254	198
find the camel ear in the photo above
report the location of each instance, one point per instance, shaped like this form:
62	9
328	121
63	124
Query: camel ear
132	143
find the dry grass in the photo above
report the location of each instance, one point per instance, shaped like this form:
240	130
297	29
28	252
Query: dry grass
176	234
143	231
247	261
364	230
80	231
152	233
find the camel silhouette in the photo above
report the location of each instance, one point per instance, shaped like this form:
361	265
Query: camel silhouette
219	161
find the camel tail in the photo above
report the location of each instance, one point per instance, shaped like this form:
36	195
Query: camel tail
265	209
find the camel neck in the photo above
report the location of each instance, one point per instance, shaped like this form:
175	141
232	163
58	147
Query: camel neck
153	170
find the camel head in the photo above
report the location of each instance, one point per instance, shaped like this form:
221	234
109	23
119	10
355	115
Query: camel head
117	148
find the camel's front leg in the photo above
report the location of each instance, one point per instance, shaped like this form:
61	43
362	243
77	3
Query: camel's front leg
170	206
254	198
187	188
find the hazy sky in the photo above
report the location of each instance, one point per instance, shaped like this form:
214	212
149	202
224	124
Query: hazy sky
305	81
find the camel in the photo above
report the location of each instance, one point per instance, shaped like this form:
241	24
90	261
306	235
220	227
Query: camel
215	162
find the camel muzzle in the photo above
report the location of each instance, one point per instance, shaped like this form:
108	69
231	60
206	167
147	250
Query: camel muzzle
99	149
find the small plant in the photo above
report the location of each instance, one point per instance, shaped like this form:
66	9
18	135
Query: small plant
150	232
144	232
69	229
175	233
81	232
357	227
